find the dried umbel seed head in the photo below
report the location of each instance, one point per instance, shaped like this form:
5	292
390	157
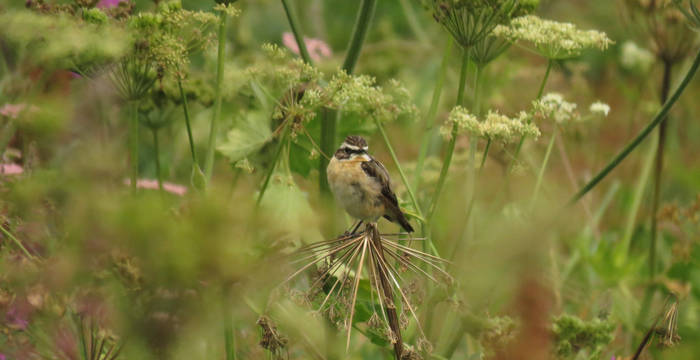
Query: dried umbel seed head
271	339
470	21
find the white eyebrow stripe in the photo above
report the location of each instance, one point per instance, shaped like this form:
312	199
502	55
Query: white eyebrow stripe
351	147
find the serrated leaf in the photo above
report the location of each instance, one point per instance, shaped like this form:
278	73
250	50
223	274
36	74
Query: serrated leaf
247	138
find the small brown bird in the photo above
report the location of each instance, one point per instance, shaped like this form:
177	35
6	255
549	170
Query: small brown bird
362	185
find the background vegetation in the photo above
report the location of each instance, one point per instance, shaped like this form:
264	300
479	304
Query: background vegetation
163	165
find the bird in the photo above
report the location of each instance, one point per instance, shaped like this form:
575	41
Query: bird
361	184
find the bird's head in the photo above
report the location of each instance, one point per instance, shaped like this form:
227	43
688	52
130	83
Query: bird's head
352	147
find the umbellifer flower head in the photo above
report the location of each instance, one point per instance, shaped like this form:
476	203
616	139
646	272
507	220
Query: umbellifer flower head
495	126
551	39
553	106
599	108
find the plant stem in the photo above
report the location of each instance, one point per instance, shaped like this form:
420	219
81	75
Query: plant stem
156	146
275	160
414	202
413	22
539	95
623	251
404	179
330	118
17	242
134	143
382	273
540	174
642	134
453	140
294	25
229	339
359	33
214	128
8	131
429	126
486	152
659	165
186	110
327	143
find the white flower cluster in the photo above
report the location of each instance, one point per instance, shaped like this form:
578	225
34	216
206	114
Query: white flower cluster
551	39
599	108
635	58
553	106
495	126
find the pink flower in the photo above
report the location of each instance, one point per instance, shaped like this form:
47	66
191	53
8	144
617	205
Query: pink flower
103	4
12	111
151	184
17	317
317	48
11	169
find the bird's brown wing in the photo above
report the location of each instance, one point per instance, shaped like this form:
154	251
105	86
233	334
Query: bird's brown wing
379	173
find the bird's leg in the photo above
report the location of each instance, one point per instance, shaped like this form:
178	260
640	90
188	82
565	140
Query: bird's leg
354	229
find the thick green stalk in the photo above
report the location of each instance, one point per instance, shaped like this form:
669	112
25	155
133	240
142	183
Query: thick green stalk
665	85
330	118
134	143
429	127
539	95
642	134
540	174
453	140
214	128
186	110
275	160
298	36
359	33
156	147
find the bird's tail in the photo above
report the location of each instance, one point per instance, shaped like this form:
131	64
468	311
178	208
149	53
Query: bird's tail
400	218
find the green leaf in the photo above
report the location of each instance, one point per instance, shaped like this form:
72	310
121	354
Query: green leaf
252	133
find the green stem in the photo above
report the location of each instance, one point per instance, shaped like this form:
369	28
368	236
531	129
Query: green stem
539	95
134	143
275	160
453	140
642	180
213	130
185	108
330	118
642	135
414	202
156	147
540	174
17	242
8	131
229	337
486	152
413	22
404	179
429	127
359	33
327	144
665	85
294	25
